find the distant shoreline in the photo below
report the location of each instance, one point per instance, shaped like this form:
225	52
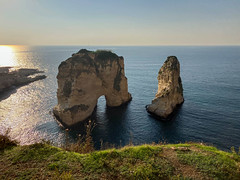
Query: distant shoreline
11	77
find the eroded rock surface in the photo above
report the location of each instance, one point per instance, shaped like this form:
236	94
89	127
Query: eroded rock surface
10	77
170	90
83	78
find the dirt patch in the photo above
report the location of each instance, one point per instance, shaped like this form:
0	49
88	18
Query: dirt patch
183	169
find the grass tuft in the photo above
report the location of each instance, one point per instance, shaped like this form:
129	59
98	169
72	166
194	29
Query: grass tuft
84	144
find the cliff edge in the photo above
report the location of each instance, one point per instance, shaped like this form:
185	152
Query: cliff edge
169	161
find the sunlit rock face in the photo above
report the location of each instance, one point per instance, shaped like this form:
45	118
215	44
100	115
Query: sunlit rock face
83	78
10	77
170	90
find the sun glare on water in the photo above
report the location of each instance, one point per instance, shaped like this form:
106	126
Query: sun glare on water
7	56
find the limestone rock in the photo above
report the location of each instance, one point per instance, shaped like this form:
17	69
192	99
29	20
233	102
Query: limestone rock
10	77
170	90
83	78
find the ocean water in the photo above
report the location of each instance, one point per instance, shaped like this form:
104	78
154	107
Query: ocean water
210	113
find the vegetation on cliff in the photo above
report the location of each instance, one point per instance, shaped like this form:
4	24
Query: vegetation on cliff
156	161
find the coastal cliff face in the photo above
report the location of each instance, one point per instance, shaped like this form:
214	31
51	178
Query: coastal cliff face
83	78
170	90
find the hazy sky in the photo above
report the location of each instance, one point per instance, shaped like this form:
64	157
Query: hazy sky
120	22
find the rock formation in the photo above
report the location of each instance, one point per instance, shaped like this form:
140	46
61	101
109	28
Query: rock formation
83	78
10	77
170	91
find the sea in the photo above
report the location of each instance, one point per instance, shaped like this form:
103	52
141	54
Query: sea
210	113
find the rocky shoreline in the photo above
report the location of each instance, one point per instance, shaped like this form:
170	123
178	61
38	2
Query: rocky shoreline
13	77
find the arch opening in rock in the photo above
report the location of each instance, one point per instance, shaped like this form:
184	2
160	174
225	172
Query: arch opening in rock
85	77
101	104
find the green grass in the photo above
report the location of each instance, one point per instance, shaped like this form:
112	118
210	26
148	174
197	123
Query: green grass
170	161
36	152
212	162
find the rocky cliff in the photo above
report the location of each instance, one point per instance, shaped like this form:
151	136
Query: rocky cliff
170	91
83	78
10	77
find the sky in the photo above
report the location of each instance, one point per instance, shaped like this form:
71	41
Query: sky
120	22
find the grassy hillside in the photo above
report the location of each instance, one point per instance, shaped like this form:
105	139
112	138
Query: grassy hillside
171	161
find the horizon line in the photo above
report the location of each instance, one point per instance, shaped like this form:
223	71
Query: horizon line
120	45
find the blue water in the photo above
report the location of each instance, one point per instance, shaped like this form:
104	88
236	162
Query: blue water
210	113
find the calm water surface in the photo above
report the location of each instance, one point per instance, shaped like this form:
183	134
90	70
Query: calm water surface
210	113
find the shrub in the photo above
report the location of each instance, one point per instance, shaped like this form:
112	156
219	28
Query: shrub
105	55
84	144
6	141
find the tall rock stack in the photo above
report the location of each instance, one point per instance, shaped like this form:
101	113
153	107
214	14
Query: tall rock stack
83	78
170	90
